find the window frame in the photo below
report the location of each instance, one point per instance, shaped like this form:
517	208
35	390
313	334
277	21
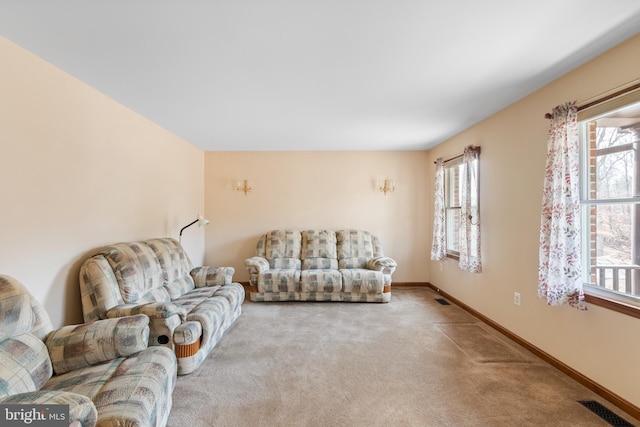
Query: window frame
594	294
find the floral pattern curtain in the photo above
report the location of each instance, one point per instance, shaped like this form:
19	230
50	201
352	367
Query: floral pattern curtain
439	246
470	213
559	272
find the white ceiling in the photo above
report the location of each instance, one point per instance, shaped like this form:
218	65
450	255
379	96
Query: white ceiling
317	74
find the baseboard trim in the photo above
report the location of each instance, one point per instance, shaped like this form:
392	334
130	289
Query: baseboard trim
620	402
406	284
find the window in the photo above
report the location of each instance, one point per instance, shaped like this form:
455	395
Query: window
456	214
454	187
610	203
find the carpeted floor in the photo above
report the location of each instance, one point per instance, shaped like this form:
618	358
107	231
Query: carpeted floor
412	362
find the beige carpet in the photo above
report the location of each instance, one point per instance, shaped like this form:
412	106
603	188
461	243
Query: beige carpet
412	362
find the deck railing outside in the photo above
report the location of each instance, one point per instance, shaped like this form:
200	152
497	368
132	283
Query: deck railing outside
620	278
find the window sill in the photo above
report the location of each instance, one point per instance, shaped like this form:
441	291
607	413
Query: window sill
610	304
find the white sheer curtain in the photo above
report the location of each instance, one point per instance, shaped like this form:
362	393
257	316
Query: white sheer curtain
560	269
439	245
470	259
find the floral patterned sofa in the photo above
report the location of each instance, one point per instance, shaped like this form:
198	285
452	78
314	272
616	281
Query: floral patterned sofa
102	370
189	308
320	265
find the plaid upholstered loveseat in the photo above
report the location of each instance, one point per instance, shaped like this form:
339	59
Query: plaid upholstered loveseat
103	371
320	265
189	308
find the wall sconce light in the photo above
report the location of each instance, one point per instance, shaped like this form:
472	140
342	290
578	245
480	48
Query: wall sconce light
387	186
244	186
201	223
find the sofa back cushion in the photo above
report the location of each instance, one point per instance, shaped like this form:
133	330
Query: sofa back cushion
15	311
99	288
25	362
319	250
175	265
137	271
20	312
355	248
281	248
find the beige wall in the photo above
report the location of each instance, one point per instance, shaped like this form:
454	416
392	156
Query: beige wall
80	171
601	344
331	190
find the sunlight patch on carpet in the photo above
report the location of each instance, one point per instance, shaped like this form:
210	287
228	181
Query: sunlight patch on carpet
480	345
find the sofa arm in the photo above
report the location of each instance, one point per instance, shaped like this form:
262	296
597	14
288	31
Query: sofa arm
187	333
79	346
153	310
385	264
212	276
256	265
82	410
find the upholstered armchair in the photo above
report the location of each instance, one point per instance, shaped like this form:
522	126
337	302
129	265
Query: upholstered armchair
102	370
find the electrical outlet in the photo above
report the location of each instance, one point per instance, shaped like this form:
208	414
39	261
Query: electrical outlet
516	298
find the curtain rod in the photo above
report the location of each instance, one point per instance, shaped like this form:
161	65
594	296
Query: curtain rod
452	158
474	148
599	99
604	98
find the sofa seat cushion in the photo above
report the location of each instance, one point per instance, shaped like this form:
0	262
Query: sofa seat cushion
25	365
359	280
234	293
279	281
212	314
320	281
195	296
137	388
86	381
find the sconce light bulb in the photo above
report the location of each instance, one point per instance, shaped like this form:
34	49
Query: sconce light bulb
387	186
244	186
